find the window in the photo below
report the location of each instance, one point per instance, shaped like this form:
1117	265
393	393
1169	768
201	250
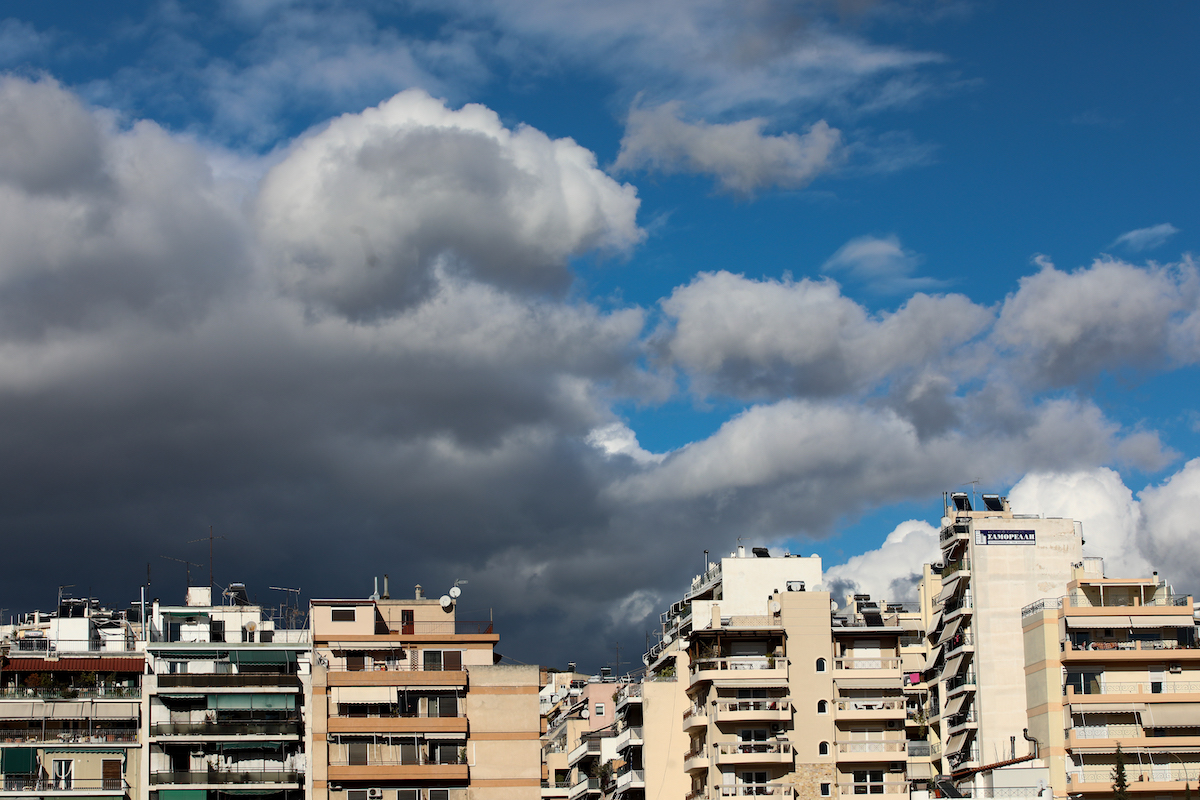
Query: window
439	794
357	754
821	666
64	774
110	774
826	790
599	709
443	660
868	781
355	662
433	660
408	794
356	794
408	624
823	749
822	706
342	614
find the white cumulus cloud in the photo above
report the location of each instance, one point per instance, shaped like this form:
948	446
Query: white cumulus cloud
891	571
1146	238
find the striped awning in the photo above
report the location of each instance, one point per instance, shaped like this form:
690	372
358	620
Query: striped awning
75	665
950	631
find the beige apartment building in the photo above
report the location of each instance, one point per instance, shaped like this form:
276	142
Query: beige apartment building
408	703
1114	663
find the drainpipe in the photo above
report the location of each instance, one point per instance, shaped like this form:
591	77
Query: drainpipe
1036	747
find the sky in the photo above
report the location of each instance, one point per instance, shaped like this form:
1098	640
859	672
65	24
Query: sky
552	297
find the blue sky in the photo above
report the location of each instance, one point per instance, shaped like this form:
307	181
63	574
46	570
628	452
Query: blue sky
584	289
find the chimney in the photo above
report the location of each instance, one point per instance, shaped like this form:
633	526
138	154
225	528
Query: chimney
420	595
386	594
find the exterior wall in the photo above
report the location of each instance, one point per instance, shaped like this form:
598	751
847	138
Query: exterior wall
504	747
1044	695
1005	578
746	581
806	621
663	704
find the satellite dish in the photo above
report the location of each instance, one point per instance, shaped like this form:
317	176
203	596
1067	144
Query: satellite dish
455	592
585	713
251	626
446	601
775	607
833	605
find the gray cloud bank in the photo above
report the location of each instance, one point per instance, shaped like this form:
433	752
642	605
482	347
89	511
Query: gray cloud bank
366	361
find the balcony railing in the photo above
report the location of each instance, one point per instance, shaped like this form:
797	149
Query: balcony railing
954	566
872	747
735	663
695	711
753	748
71	693
449	627
870	704
247	728
228	680
866	663
759	790
67	737
1135	774
887	787
226	776
422	760
959	681
779	704
1112	731
1115	687
919	749
1081	600
32	783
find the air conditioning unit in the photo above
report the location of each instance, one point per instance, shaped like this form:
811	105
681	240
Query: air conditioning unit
892	723
1176	669
374	794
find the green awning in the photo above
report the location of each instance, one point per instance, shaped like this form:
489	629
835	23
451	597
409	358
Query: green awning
257	792
17	760
182	794
208	655
250	745
262	656
185	614
246	702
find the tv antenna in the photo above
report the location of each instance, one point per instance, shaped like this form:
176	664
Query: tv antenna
974	484
60	591
210	538
289	609
187	566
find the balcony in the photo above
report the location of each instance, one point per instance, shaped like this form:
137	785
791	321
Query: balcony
83	693
396	677
695	717
961	721
239	680
869	708
58	737
1129	692
201	730
86	786
776	709
746	753
221	777
630	779
586	787
869	663
752	671
759	790
631	693
961	683
919	749
961	565
341	769
586	748
449	627
1142	780
696	760
630	737
886	787
872	751
404	723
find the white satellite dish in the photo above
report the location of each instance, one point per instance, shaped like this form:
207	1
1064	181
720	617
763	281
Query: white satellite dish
585	713
446	601
833	605
775	607
455	592
251	625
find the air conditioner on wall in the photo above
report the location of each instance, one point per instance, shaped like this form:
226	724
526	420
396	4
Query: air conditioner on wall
374	794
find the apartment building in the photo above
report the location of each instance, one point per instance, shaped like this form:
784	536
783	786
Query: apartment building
579	715
1114	663
408	703
785	694
224	701
71	704
994	563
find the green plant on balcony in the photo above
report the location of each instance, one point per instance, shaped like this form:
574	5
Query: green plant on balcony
1120	784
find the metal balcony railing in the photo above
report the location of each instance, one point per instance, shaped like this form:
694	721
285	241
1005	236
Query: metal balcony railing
450	627
770	704
753	748
55	736
872	747
33	783
870	704
759	790
735	663
71	693
228	680
226	776
244	728
866	663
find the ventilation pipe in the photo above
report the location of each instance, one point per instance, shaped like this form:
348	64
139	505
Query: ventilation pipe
420	595
1028	738
375	594
386	594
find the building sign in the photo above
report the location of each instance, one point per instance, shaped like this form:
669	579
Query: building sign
1005	537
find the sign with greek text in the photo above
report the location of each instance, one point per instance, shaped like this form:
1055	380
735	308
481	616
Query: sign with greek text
1005	537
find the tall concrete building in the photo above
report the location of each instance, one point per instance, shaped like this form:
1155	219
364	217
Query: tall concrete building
995	562
1114	663
408	703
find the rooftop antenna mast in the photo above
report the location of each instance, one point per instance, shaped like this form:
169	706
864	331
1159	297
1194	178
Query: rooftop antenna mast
187	566
60	591
210	538
974	484
290	611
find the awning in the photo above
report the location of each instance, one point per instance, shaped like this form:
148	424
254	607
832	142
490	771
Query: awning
20	710
251	701
1171	715
182	794
953	665
956	743
136	665
955	705
933	657
250	745
176	655
949	587
951	629
75	710
935	620
749	682
1107	708
115	710
1161	621
1097	622
17	760
262	656
869	683
185	614
363	694
459	735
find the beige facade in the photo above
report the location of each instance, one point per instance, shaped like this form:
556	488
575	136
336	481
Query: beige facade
1114	663
408	704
